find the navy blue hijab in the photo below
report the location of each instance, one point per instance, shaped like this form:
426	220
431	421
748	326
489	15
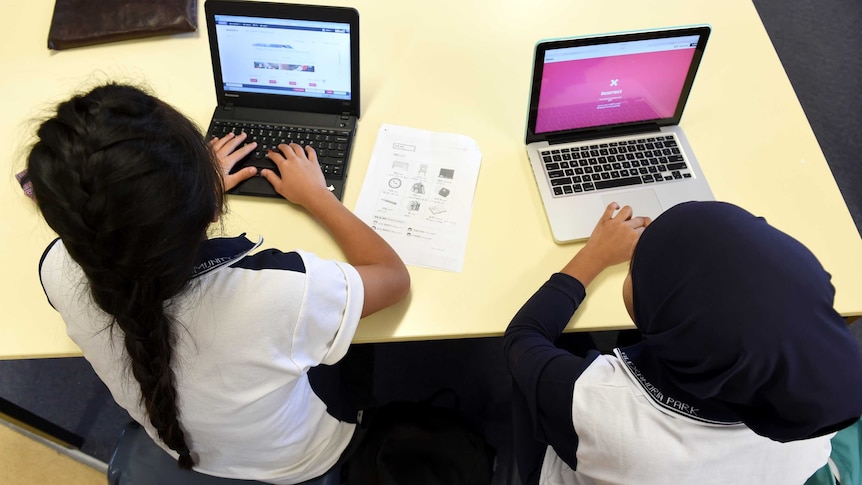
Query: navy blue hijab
738	324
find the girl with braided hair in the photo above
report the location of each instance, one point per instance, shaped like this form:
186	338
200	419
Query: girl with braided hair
205	344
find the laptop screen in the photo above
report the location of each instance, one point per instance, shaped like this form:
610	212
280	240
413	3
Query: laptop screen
294	58
590	86
607	84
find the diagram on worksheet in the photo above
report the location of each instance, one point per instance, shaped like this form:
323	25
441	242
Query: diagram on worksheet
418	194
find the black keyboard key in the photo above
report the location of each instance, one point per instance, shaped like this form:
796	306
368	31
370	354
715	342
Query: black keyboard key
676	166
561	181
609	184
334	160
555	174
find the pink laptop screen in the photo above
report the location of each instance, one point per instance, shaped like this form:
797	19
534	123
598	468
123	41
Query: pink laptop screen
597	85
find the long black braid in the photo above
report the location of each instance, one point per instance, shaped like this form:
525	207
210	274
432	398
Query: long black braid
130	186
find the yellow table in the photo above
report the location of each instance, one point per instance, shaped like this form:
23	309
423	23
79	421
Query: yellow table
454	66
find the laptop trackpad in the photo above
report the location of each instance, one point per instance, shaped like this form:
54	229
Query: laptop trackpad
643	202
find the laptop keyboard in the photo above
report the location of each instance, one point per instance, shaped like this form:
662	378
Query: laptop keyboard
331	145
585	168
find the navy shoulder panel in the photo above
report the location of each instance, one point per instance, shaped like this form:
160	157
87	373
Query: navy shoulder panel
272	259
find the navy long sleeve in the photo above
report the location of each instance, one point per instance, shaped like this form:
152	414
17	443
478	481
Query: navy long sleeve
544	374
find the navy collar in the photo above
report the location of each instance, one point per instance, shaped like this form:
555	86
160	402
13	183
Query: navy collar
669	397
222	251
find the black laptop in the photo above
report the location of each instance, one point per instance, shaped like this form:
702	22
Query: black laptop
286	73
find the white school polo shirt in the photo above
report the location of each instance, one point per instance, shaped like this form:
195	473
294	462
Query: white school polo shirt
250	326
626	436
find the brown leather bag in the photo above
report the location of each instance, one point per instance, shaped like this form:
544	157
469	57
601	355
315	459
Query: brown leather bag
78	23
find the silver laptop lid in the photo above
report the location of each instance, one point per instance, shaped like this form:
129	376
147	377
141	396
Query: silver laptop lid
597	86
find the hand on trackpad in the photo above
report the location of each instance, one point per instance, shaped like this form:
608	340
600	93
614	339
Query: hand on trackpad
643	202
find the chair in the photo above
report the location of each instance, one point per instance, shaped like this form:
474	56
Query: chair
137	460
846	459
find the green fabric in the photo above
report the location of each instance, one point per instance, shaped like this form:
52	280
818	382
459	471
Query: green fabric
822	477
847	456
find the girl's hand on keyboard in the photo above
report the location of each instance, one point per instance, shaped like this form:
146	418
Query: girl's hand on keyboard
228	151
301	180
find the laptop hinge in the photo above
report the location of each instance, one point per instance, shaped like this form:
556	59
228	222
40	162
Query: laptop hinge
602	133
228	106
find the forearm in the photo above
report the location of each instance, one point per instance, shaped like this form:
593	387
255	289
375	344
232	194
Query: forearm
585	266
383	274
359	243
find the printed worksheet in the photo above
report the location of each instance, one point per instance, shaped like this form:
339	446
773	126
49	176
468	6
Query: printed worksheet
418	194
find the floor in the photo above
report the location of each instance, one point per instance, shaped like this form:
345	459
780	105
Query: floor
817	43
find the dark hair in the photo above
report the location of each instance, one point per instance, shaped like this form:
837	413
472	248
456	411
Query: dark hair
130	186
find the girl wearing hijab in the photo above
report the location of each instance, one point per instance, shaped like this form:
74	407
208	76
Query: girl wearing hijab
743	374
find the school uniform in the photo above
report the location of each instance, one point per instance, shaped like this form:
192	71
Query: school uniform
248	329
607	424
744	373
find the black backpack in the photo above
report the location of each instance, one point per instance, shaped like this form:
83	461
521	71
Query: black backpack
418	443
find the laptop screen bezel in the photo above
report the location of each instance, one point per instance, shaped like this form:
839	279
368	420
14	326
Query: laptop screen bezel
702	31
293	12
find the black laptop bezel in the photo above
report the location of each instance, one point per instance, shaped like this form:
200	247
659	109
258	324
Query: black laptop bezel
294	12
543	46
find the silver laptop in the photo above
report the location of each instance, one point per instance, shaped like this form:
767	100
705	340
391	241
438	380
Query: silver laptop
286	73
603	125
